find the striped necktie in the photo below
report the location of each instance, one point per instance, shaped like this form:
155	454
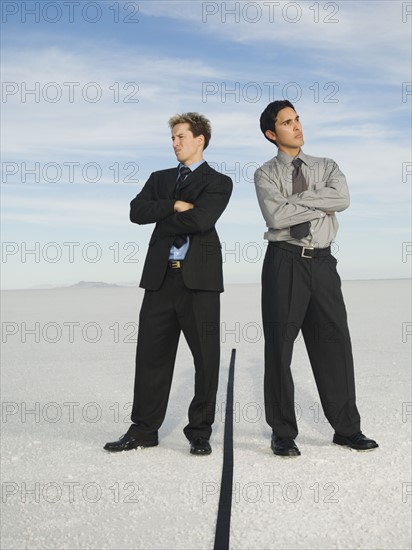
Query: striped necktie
180	240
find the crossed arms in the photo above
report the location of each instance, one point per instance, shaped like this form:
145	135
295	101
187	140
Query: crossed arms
281	212
180	217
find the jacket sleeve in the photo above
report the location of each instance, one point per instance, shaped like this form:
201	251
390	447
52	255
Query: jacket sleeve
278	211
333	197
207	209
146	208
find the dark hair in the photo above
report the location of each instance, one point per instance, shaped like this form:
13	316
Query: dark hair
268	117
199	125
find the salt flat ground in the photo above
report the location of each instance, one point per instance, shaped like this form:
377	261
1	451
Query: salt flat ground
66	390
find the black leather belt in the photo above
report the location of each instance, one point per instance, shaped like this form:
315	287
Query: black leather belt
302	251
175	264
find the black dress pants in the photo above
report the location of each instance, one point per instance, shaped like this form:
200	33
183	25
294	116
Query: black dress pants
163	315
305	294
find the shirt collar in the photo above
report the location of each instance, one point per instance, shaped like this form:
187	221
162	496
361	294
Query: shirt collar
284	158
192	166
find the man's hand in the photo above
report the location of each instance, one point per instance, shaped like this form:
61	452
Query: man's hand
182	206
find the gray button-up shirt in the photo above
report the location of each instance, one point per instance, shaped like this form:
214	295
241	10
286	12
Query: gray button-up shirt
327	192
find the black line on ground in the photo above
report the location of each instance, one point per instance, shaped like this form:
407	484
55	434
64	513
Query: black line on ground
222	534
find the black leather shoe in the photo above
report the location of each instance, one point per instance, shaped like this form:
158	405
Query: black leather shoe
128	443
357	441
200	446
284	446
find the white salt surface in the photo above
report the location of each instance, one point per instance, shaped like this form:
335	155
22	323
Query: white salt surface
60	489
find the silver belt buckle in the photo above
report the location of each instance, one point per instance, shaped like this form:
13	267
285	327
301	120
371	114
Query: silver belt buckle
307	248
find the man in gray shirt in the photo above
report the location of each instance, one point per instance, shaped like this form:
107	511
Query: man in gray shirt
299	196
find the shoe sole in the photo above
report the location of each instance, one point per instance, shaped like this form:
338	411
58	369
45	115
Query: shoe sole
131	448
201	453
288	454
354	448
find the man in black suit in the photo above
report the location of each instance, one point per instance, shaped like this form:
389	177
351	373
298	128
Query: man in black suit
182	278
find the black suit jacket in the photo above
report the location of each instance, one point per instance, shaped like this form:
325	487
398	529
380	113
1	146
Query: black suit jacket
209	191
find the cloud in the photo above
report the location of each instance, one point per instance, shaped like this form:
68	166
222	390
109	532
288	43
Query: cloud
64	212
359	63
128	113
337	32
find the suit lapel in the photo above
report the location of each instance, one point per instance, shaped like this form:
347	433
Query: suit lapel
194	179
169	182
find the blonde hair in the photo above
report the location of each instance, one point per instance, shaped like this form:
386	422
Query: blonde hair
199	125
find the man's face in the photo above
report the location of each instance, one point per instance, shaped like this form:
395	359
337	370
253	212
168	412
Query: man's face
288	131
187	148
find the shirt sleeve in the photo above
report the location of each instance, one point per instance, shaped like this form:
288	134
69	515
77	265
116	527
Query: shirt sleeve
278	211
332	196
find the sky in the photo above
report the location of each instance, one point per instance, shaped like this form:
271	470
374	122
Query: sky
88	88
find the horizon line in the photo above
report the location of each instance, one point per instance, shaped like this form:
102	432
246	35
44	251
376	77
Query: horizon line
103	284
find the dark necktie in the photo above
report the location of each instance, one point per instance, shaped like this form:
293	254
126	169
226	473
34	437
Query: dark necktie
184	171
299	185
180	240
